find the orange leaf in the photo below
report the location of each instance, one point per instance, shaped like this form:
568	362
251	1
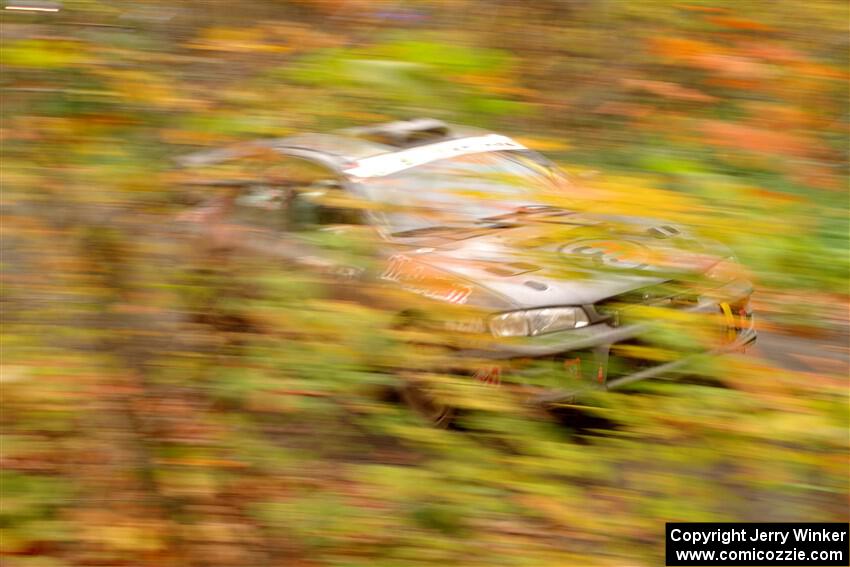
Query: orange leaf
739	24
679	48
731	65
773	52
735	83
669	90
764	194
750	138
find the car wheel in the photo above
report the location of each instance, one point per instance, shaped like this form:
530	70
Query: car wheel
425	405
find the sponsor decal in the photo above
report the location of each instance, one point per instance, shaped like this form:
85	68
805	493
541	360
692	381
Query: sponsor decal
424	280
387	164
491	375
623	254
731	332
744	318
572	367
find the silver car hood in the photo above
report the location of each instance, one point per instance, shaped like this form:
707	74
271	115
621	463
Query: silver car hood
562	259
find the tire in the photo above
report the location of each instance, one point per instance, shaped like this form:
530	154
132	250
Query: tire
423	404
413	394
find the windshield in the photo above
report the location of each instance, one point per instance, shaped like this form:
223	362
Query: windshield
461	190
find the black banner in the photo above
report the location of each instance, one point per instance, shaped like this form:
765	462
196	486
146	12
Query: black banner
762	544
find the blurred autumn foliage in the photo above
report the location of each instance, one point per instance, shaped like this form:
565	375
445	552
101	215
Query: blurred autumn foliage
161	408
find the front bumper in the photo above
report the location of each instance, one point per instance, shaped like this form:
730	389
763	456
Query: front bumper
745	338
596	342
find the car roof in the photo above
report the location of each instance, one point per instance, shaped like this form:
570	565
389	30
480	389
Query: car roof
342	146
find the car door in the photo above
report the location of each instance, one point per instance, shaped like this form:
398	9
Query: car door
299	211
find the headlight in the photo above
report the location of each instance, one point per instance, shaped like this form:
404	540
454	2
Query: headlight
538	321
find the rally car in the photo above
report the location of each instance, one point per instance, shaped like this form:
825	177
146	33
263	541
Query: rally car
475	221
